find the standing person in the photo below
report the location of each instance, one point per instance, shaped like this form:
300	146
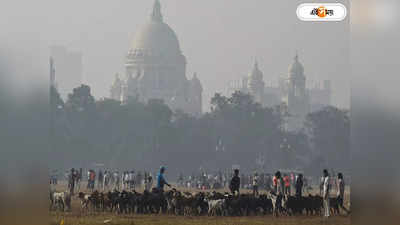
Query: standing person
234	185
72	180
299	185
325	192
92	179
340	192
275	183
286	180
125	180
255	184
105	179
88	179
100	180
139	179
132	180
145	180
277	194
161	180
150	182
116	180
78	179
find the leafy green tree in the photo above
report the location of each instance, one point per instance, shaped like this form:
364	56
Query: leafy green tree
81	100
244	128
329	133
81	117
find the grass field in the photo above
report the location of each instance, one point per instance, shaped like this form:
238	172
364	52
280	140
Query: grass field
76	217
174	220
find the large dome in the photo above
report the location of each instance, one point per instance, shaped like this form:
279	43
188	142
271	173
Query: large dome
156	37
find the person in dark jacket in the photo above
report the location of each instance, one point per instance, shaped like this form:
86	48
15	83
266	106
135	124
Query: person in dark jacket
299	185
234	186
340	192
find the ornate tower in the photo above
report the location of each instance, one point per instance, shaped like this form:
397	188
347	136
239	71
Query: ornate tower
195	96
295	95
116	89
53	82
256	84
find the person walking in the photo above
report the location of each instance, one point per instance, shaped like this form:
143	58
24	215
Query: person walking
340	192
234	185
325	183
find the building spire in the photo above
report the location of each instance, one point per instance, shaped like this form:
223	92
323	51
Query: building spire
296	57
52	73
256	64
156	16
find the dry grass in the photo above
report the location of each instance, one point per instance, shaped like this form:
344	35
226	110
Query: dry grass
174	220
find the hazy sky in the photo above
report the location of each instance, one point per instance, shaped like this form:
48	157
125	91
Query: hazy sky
220	38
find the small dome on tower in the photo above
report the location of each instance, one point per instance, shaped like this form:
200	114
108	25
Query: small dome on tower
195	83
117	80
296	68
256	73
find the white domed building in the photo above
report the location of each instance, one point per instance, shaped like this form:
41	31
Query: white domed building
291	90
156	69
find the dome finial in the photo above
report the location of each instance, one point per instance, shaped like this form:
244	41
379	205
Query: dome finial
296	57
156	15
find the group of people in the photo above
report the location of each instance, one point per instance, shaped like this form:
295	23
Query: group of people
127	180
280	184
255	181
281	188
74	178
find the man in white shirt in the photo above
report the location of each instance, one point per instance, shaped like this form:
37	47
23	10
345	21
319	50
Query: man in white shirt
325	192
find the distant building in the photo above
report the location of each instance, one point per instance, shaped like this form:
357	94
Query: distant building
156	69
69	69
291	91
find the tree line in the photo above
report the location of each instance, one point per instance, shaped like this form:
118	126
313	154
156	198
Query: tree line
236	131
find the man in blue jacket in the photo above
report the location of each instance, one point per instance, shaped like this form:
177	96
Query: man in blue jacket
161	180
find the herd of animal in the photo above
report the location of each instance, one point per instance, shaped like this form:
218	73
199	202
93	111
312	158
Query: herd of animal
174	202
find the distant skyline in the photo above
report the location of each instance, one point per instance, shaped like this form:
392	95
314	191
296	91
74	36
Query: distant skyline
220	39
